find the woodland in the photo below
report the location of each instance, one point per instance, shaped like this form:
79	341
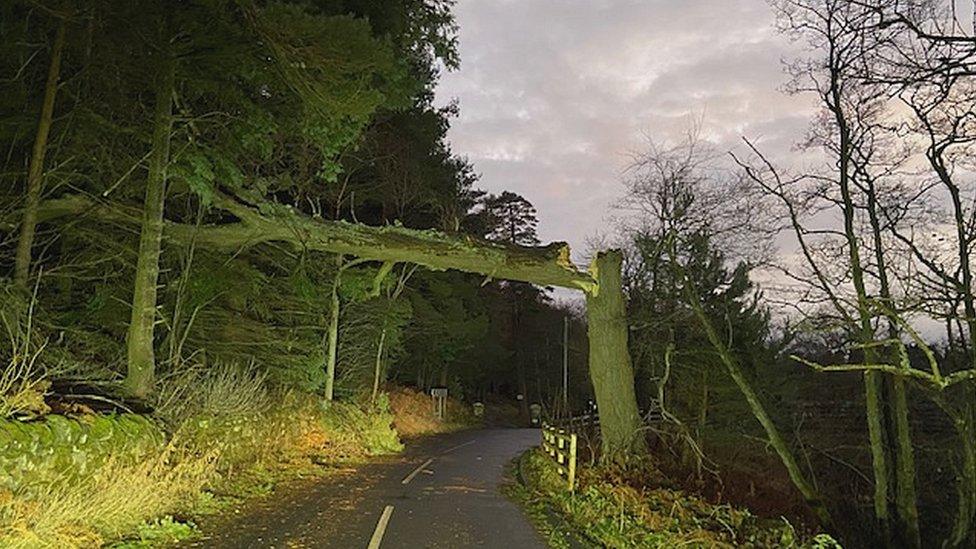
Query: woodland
234	235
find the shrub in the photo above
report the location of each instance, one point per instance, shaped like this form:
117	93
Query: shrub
22	383
219	391
164	531
360	430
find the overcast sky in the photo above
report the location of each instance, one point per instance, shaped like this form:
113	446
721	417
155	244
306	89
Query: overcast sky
556	94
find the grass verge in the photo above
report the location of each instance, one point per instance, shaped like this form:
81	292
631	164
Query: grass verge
634	508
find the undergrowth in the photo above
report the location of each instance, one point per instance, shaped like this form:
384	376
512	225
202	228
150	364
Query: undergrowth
614	508
22	383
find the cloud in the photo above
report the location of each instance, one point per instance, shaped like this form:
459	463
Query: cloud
556	94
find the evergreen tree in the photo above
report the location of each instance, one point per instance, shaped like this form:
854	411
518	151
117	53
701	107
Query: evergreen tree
509	217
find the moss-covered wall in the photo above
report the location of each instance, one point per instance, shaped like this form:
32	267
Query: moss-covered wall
58	449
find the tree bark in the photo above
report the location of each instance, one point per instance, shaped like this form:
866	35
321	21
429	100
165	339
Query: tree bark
141	358
865	332
35	172
905	496
610	367
542	265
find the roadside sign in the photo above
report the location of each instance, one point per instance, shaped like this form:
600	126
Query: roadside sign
438	396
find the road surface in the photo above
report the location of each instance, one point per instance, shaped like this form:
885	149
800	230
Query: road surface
442	492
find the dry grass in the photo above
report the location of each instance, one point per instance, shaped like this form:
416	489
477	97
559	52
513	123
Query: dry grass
413	414
22	383
224	389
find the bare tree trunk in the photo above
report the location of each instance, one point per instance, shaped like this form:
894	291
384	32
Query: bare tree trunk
865	334
332	348
141	358
610	367
35	172
905	496
379	366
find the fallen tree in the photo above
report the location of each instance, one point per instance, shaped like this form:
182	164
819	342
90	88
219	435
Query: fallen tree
260	221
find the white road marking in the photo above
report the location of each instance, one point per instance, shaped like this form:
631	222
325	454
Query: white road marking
423	465
468	443
374	542
416	471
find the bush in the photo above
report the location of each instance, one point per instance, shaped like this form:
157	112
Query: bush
358	430
228	408
219	391
22	383
164	531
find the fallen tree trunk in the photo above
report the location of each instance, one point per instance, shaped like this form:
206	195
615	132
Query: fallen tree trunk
544	265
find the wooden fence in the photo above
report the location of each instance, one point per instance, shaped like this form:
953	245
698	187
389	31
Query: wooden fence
560	445
560	439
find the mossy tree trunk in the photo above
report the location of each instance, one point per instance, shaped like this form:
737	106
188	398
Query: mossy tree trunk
35	172
611	371
262	222
904	454
878	435
141	357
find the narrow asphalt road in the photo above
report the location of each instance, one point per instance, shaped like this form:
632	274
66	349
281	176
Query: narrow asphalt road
443	492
